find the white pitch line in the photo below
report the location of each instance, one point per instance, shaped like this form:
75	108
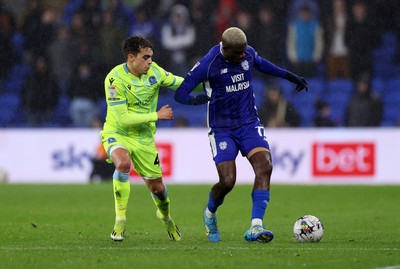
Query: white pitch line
390	267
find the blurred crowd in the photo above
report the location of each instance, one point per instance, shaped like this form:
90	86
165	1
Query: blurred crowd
55	54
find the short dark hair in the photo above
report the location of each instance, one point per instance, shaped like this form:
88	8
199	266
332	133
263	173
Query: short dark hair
134	44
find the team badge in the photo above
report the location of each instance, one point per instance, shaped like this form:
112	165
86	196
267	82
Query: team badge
152	80
223	145
245	65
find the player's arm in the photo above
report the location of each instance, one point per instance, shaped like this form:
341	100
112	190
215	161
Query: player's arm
116	101
193	82
267	67
172	81
126	118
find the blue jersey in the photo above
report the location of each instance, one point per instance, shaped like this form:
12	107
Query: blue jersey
229	85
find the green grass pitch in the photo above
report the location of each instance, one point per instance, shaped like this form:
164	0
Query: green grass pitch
68	226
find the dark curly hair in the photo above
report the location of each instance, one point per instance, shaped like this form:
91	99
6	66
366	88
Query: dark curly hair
134	44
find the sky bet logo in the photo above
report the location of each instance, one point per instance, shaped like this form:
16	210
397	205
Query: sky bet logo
343	159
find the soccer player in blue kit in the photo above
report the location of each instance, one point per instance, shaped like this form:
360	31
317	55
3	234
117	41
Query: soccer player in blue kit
226	72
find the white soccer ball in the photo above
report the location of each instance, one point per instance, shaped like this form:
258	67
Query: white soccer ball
308	229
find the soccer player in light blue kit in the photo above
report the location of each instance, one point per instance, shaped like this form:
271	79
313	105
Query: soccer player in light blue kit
227	72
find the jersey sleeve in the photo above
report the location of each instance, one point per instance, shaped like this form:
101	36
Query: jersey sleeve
117	104
266	66
168	79
193	81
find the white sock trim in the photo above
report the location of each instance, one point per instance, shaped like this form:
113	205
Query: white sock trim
256	222
209	213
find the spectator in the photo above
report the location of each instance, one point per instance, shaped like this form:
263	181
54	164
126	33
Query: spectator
202	21
361	38
80	38
225	16
337	60
7	30
277	111
62	57
84	91
110	40
365	108
177	38
269	41
122	13
305	43
244	20
40	94
323	115
296	5
91	13
144	25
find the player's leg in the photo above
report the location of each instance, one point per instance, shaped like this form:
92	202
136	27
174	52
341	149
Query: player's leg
256	148
161	199
224	151
121	187
147	165
262	165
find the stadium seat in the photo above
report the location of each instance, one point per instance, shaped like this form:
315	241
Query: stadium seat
378	85
10	109
339	86
391	115
16	78
61	116
259	87
392	85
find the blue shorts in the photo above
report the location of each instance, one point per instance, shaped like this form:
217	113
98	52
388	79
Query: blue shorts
225	145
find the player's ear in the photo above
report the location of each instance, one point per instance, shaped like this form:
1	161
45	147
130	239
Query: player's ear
131	57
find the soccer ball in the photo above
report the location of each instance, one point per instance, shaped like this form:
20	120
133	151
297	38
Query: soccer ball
308	229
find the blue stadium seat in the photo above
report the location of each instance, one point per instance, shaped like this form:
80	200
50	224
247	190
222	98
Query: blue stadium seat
391	115
340	85
16	78
392	85
61	116
378	85
10	109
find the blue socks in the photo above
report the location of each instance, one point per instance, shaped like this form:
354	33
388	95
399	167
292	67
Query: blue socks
212	204
260	200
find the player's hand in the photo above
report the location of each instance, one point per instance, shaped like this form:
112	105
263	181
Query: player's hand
199	99
300	82
165	113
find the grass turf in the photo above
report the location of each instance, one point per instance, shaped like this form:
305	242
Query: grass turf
68	226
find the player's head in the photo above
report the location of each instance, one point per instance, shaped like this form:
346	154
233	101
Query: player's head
234	43
138	54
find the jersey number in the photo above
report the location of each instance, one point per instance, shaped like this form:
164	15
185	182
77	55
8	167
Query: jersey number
157	160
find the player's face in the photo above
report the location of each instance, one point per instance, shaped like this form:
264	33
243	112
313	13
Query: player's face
235	54
141	62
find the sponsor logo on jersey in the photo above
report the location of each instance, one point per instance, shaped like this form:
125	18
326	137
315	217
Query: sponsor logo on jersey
343	159
152	80
239	85
112	92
